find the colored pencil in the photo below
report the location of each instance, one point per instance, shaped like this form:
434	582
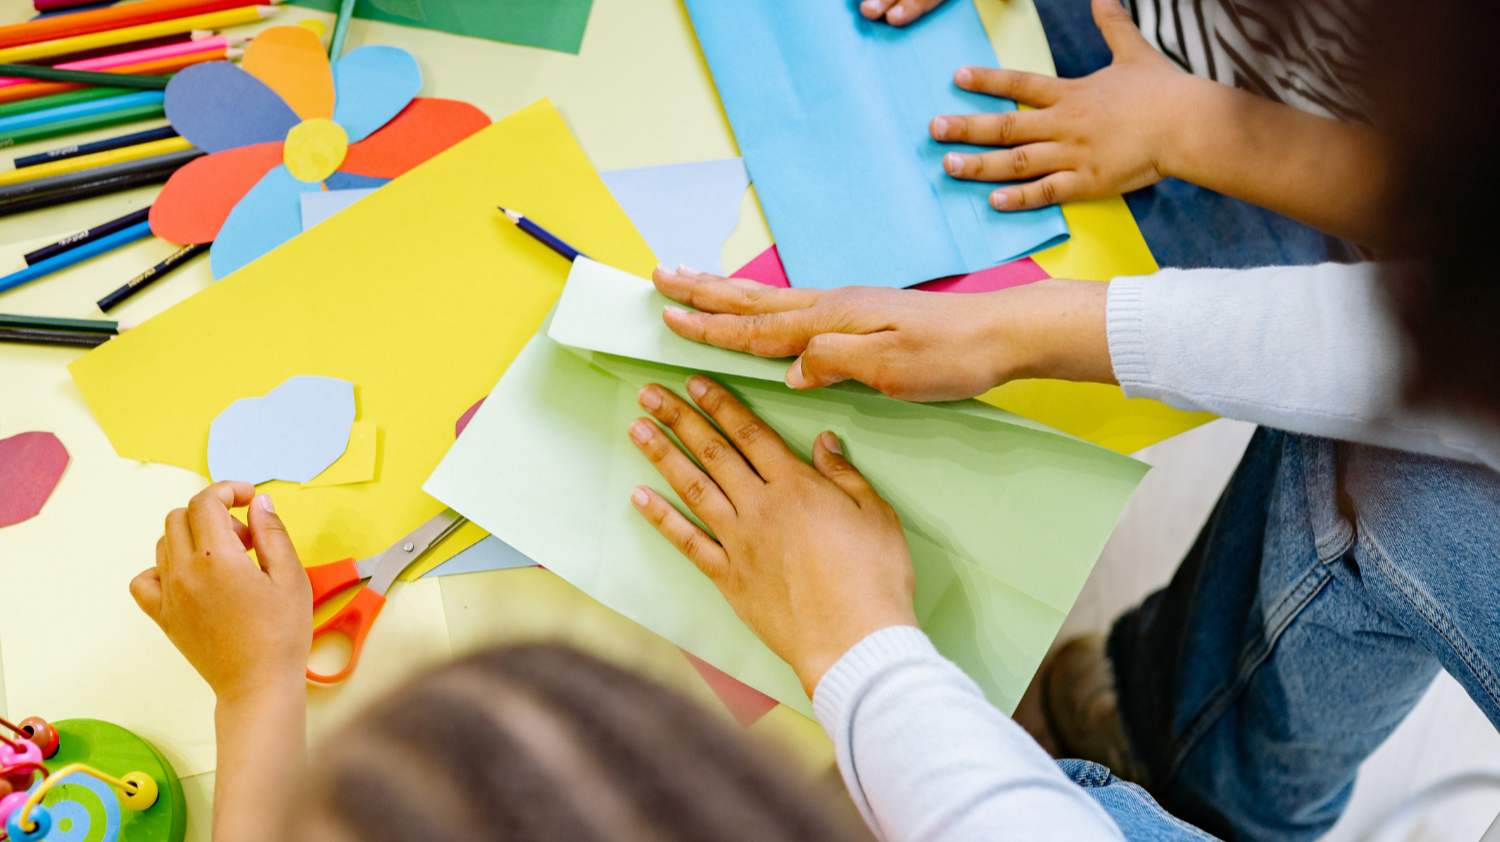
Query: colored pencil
101	52
63	153
216	20
64	181
55	5
12	127
123	59
340	30
78	255
152	275
137	152
144	75
83	124
102	187
87	235
83	77
545	237
71	339
128	16
26	106
99	326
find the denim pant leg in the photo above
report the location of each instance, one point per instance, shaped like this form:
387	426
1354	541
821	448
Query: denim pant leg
1138	815
1303	626
1187	226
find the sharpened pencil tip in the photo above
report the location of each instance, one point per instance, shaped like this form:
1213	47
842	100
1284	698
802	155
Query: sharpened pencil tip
513	216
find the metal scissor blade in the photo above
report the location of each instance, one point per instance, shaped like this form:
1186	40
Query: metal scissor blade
390	564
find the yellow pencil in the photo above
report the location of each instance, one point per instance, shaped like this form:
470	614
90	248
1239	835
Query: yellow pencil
98	159
215	20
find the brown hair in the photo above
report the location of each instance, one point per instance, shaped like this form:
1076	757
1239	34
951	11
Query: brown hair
543	743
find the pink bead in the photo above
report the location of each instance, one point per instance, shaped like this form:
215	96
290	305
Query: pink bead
9	804
27	752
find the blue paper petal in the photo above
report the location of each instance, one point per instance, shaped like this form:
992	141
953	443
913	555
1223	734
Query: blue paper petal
269	215
218	106
371	85
350	181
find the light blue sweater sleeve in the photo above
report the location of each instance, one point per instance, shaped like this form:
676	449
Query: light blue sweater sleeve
926	757
1309	349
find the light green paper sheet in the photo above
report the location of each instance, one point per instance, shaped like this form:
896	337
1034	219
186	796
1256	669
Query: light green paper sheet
1004	520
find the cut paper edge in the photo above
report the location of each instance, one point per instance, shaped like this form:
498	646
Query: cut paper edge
423	129
685	211
292	433
358	462
320	205
31	467
488	553
766	268
217	107
291	61
374	84
267	216
746	703
198	198
463	420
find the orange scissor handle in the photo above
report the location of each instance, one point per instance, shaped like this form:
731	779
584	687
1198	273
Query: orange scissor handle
353	621
330	579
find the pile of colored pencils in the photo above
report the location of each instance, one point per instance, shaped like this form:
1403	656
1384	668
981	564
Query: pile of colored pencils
45	330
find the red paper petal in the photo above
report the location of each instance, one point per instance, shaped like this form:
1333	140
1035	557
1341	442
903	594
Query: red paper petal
423	129
766	268
31	465
197	199
746	703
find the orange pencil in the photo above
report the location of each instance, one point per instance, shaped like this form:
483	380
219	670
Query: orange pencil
145	68
116	17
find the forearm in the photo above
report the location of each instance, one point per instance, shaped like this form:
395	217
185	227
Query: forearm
1325	173
262	743
1051	329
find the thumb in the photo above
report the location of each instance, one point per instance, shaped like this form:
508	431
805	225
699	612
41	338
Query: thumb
273	546
828	459
146	588
829	358
1119	30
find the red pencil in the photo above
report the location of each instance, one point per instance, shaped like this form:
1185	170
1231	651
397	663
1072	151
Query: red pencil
115	17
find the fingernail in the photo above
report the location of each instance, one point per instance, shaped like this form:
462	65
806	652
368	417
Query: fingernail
684	269
697	386
794	374
963	76
896	14
940	127
640	497
953	163
872	5
650	398
676	311
265	502
831	442
999	200
664	270
640	431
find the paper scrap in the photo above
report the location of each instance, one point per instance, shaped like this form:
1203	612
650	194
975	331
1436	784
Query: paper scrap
293	433
193	205
218	106
549	24
31	466
489	553
685	211
374	84
293	63
767	269
746	703
853	186
358	462
463	420
321	204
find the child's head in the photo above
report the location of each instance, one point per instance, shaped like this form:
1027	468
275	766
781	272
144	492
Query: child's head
544	743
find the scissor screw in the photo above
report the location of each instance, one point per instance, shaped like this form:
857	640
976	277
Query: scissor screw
409	546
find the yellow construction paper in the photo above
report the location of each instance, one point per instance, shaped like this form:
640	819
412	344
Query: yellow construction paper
422	294
358	462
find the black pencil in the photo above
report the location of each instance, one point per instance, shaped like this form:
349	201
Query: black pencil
75	339
64	152
104	326
66	180
101	187
73	242
152	275
85	77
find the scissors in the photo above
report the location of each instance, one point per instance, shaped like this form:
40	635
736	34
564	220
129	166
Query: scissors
354	620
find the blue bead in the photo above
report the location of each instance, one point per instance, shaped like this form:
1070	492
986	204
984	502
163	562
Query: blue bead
40	818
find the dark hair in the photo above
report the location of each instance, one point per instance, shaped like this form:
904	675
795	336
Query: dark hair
1435	86
544	743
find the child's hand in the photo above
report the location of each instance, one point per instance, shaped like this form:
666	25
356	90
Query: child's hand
809	556
245	629
1107	133
897	12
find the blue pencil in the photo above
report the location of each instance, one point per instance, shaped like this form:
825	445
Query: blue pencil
78	255
545	237
79	109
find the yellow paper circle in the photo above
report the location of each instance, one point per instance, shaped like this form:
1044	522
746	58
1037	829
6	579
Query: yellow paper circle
315	148
313	25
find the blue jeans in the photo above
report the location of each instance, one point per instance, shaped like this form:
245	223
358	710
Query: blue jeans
1140	818
1330	585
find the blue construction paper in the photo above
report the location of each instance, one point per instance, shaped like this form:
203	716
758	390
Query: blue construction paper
318	206
293	433
93	248
350	181
372	85
269	215
217	106
16	122
685	211
487	554
831	112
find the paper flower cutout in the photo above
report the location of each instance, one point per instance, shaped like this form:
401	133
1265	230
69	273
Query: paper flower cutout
286	122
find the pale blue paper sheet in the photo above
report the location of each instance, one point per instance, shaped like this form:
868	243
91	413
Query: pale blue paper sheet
489	553
322	204
831	111
684	211
293	433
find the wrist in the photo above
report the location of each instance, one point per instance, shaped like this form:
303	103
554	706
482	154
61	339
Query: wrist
811	666
1052	329
267	692
1189	137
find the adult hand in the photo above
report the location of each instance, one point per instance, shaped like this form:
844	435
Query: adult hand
912	345
897	12
243	628
809	556
1108	133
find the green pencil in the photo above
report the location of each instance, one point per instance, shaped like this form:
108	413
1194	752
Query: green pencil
83	124
55	323
84	77
41	103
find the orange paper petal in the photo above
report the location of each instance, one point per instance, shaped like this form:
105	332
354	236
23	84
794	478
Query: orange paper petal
423	129
197	199
291	61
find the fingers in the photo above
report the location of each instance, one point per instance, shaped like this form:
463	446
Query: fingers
1027	88
1119	30
875	9
719	458
828	459
834	357
1006	128
1058	187
273	546
768	335
754	438
179	539
685	535
1027	161
705	498
905	11
209	518
146	589
713	294
243	532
